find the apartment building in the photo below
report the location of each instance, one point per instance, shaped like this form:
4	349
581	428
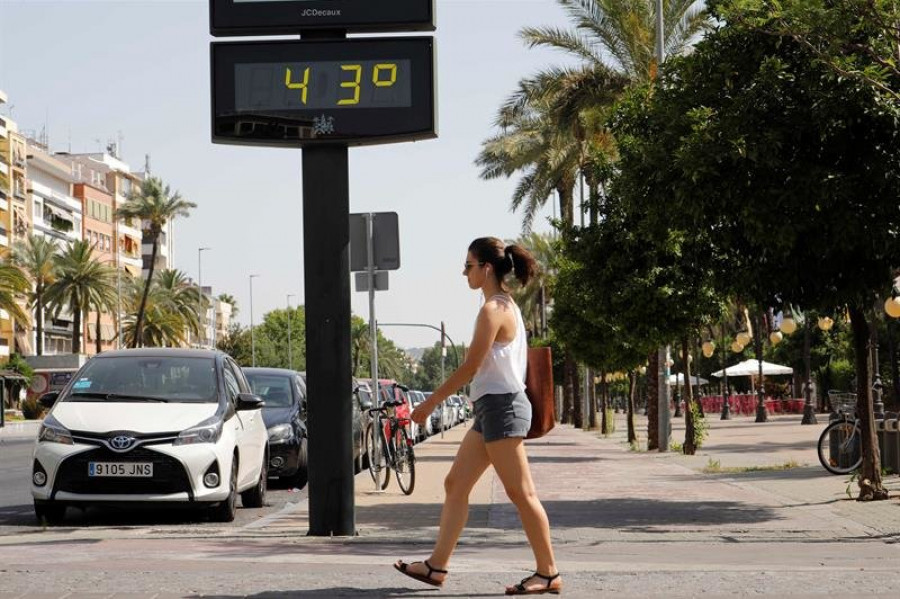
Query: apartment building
6	333
15	224
56	215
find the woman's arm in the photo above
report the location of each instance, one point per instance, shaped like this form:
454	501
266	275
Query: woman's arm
487	325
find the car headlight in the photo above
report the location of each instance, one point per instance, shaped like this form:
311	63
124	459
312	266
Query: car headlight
208	431
54	432
280	433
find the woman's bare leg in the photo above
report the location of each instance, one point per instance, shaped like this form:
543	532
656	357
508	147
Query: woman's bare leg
511	464
470	463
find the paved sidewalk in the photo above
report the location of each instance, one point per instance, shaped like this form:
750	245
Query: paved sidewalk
625	523
17	429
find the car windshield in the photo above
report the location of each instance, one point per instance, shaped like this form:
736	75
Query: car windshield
275	389
146	378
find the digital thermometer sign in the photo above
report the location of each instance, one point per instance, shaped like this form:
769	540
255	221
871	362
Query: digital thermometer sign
295	93
286	17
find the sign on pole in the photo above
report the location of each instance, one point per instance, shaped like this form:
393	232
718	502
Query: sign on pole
385	241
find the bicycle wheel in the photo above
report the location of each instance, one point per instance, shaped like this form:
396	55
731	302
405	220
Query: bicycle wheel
404	461
840	447
378	467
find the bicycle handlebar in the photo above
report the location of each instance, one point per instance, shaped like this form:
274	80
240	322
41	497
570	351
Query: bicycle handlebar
386	405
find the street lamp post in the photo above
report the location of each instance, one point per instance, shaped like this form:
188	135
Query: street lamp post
877	386
252	338
726	393
809	413
200	285
290	355
761	414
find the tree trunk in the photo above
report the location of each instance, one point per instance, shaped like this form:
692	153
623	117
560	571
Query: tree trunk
688	448
76	326
568	391
139	323
604	402
577	396
592	401
870	483
653	401
632	388
39	319
99	340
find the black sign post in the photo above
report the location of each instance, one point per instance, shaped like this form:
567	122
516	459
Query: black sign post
322	94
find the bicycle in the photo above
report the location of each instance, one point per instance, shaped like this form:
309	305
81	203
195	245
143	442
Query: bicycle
840	443
391	448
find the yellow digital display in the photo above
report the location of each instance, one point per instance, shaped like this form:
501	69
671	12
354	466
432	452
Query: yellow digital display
382	83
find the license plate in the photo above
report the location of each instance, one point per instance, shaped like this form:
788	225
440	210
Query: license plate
141	469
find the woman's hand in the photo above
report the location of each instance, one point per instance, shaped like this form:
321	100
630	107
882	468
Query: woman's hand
423	411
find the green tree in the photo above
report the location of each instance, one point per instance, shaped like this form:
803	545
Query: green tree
236	343
229	299
82	282
856	39
182	298
794	171
34	255
154	205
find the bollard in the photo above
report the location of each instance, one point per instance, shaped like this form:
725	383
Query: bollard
879	433
890	458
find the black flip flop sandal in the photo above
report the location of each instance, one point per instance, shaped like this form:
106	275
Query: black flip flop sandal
427	579
520	589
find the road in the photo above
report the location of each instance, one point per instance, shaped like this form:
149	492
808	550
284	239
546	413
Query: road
17	514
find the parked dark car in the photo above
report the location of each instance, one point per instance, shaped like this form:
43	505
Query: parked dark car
358	422
284	392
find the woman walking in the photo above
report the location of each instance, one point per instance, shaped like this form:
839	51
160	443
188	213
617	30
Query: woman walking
495	363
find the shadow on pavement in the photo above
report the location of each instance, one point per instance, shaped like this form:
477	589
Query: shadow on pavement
607	513
336	592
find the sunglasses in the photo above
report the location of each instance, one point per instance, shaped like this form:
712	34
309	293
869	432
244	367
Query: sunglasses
468	266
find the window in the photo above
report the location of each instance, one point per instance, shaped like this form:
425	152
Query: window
232	389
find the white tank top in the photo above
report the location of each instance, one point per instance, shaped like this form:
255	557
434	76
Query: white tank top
503	368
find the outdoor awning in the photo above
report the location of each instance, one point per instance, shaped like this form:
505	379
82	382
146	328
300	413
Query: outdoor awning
58	212
107	332
678	379
11	375
134	271
751	368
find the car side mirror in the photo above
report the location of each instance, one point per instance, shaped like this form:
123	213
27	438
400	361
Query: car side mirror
248	401
48	399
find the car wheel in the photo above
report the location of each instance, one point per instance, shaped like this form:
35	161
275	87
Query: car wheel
47	513
302	475
256	497
227	509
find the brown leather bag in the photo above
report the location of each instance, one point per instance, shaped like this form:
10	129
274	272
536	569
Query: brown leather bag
539	389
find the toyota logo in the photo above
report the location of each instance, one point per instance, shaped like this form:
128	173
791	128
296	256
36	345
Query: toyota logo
122	442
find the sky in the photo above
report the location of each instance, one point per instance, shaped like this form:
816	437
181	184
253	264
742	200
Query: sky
90	72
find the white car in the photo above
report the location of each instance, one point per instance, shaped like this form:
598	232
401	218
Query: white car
163	426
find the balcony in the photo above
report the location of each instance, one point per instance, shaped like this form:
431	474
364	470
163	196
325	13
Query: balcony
4	347
136	263
4	168
3	131
4	237
4	203
130	231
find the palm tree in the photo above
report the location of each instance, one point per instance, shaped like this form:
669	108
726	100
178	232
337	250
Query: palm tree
163	326
13	283
227	298
35	255
82	282
533	298
155	205
183	298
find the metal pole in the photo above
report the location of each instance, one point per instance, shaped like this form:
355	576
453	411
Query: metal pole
762	415
252	338
200	286
373	323
877	385
660	37
326	255
290	350
663	413
726	392
809	413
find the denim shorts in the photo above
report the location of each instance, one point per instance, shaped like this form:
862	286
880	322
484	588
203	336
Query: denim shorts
502	415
